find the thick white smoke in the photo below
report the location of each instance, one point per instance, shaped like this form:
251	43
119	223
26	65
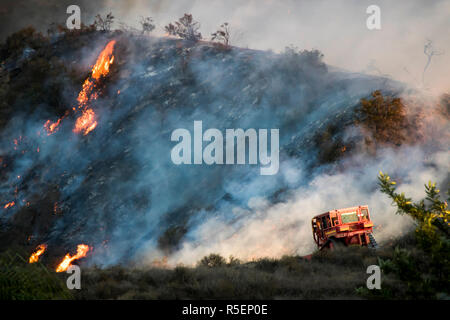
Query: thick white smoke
285	228
263	229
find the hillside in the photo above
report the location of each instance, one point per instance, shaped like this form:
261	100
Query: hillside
115	187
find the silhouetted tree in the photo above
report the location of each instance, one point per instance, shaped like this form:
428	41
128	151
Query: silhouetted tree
186	27
429	51
104	24
213	260
223	34
147	24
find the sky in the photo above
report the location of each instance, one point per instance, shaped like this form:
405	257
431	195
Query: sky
335	27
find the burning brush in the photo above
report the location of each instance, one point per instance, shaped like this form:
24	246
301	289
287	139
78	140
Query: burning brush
88	119
9	205
82	250
39	251
85	123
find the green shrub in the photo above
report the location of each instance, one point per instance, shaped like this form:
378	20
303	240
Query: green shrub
20	280
425	271
384	120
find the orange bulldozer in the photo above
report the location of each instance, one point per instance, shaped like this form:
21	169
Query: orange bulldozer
343	227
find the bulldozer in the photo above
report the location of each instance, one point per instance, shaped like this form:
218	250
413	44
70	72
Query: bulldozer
344	227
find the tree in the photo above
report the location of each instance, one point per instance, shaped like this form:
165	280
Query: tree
429	275
384	118
429	51
223	34
213	260
431	213
104	24
186	28
147	24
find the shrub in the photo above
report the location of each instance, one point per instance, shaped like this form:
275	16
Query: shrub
186	28
213	260
426	274
384	118
222	34
147	24
72	34
104	24
232	261
303	60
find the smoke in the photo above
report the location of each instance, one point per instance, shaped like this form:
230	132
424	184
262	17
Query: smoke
120	192
331	26
266	230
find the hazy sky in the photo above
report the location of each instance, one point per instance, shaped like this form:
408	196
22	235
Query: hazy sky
336	27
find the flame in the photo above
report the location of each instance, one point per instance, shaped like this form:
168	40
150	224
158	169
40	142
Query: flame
104	60
82	250
9	204
39	251
160	263
52	127
87	121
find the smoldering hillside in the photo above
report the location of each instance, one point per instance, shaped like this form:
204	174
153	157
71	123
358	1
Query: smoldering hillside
117	190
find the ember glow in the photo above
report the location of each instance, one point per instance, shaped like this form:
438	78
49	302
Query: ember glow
82	250
52	127
39	251
9	204
87	121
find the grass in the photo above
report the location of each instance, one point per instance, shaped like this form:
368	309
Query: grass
20	280
338	274
328	275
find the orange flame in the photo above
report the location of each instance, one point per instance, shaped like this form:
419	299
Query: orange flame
9	204
82	250
52	127
104	60
87	121
39	251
